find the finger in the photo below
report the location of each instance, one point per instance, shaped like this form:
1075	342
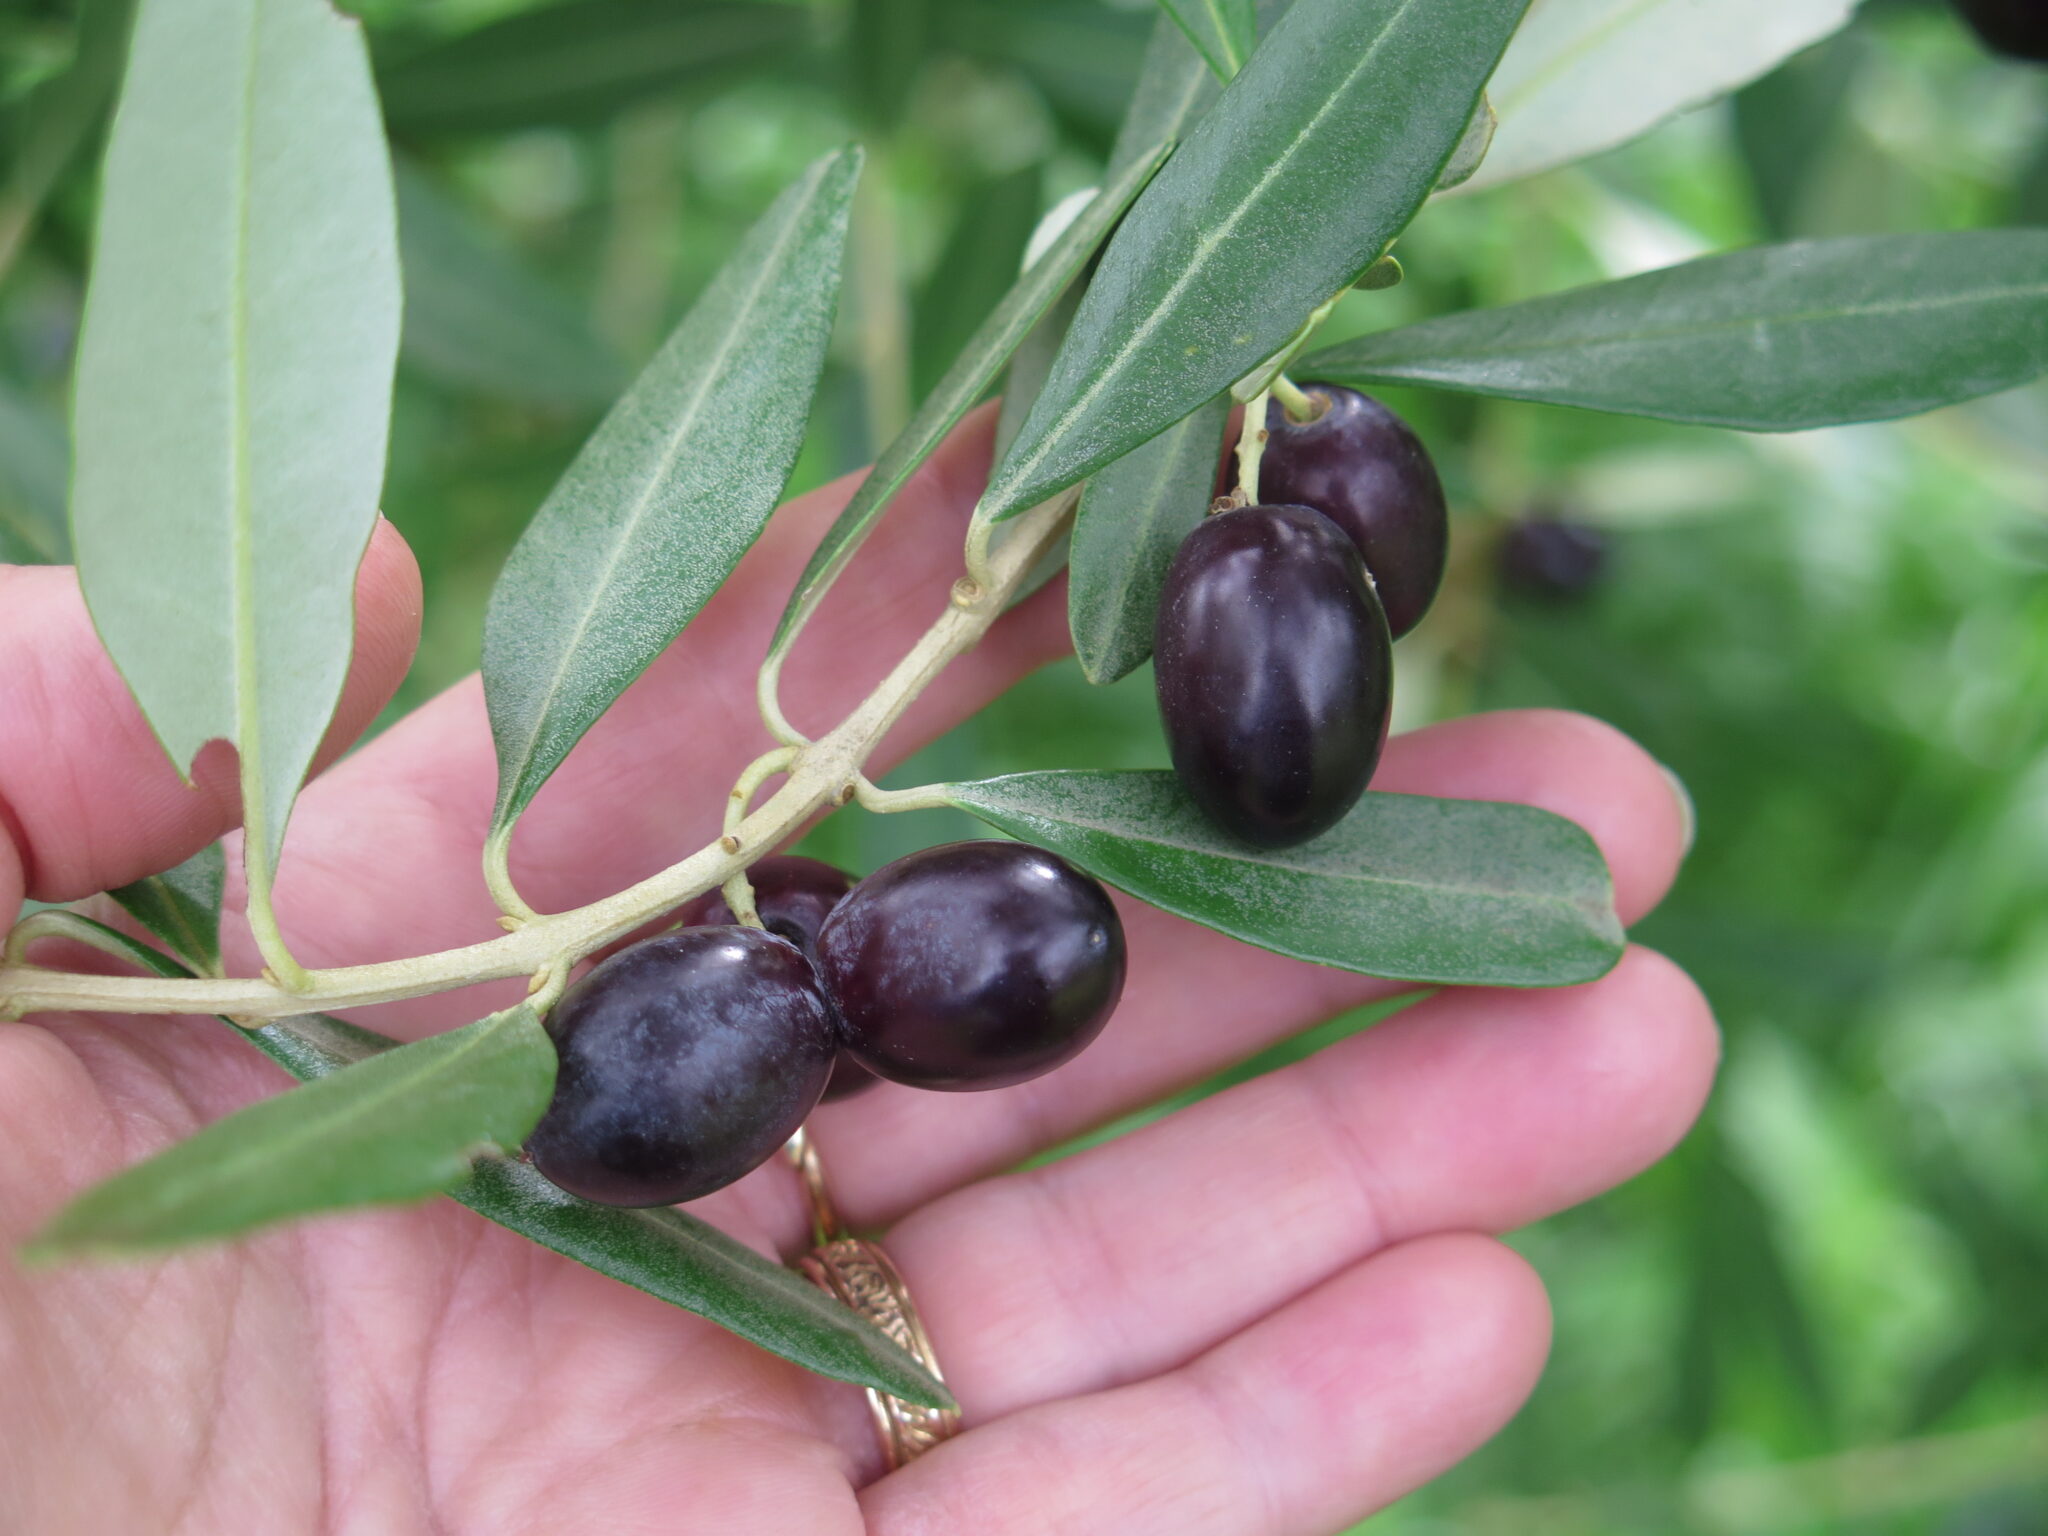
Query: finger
387	849
1197	1002
88	798
1472	1111
1336	1406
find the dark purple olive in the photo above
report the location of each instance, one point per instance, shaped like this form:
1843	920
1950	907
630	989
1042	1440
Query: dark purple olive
1275	673
792	894
685	1062
972	965
1362	467
1553	558
2015	27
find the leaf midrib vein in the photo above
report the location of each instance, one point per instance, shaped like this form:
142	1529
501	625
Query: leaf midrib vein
1703	328
1153	840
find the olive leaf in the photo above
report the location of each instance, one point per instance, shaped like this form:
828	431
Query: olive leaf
1132	517
1774	339
182	907
1454	891
665	1252
579	63
673	487
1224	32
234	383
1585	75
964	383
398	1126
1249	228
477	317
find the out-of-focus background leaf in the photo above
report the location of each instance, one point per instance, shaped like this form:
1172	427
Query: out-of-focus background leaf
1825	1315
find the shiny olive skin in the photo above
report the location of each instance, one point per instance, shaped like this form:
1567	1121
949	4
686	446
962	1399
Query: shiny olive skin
972	965
2015	27
1275	673
1362	467
685	1062
792	894
1553	558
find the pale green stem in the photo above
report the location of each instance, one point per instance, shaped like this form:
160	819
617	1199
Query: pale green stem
262	916
498	877
59	925
738	889
925	797
1251	447
1300	407
820	774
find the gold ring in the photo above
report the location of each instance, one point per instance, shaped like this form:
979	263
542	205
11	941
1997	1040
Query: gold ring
860	1276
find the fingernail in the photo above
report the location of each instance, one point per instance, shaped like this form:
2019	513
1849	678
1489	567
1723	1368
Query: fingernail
1687	815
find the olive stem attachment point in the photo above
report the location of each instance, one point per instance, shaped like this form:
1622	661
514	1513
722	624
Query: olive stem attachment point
1251	447
1301	407
768	700
57	925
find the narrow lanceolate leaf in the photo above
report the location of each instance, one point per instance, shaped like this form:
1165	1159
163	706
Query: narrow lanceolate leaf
670	1255
964	383
1317	155
34	466
234	381
1455	891
673	487
1585	75
402	1125
477	317
1774	339
1224	32
1132	517
581	62
182	907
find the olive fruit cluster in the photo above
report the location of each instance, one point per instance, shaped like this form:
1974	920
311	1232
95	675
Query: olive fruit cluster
1273	645
687	1059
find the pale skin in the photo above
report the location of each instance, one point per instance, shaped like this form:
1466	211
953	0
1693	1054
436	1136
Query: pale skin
1267	1315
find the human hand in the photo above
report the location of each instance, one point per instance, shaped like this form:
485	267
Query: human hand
1272	1312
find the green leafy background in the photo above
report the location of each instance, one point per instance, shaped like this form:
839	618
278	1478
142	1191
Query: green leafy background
1839	640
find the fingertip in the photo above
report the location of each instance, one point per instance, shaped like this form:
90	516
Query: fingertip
1572	764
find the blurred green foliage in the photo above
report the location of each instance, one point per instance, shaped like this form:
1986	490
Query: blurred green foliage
1828	1312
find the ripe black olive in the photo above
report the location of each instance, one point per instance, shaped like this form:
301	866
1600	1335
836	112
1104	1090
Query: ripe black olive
1553	558
792	894
685	1062
972	965
1275	672
2015	27
1362	467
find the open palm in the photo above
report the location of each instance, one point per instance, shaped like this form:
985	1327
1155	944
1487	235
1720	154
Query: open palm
1266	1315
